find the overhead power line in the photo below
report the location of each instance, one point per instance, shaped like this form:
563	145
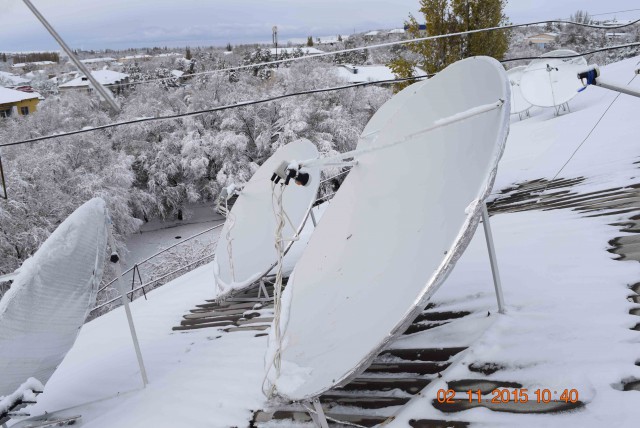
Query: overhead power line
376	46
275	98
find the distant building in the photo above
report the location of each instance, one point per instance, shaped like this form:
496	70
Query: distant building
13	102
370	73
421	27
397	31
541	40
107	78
372	33
39	64
305	51
9	80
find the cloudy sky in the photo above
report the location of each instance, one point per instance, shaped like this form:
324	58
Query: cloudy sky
96	24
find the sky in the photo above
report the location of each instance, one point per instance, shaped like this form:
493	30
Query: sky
118	24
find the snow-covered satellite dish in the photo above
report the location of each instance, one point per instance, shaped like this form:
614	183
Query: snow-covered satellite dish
400	221
50	298
382	116
518	103
246	248
550	81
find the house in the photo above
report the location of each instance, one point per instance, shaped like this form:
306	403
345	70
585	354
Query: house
370	73
35	64
107	78
10	80
540	40
397	31
13	103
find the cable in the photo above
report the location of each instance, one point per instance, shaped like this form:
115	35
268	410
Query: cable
611	13
588	135
595	51
211	110
380	45
543	189
278	97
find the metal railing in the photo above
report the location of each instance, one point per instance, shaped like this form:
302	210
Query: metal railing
135	269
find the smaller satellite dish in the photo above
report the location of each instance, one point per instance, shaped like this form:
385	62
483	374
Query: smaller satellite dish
550	81
518	103
246	248
50	298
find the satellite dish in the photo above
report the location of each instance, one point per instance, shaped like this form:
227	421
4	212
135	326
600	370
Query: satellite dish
381	117
402	218
551	82
249	232
51	296
518	103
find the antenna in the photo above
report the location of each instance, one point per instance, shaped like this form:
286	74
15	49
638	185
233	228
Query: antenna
551	82
245	251
394	230
35	334
519	105
274	36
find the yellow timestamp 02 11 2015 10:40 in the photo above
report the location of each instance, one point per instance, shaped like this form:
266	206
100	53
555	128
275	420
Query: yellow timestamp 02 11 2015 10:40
507	395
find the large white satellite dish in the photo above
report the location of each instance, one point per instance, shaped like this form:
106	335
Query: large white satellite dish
48	302
382	116
519	104
550	81
394	231
246	248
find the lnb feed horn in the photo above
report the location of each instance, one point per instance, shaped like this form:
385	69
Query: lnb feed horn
589	76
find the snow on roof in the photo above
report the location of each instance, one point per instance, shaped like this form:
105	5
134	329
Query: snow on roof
12	79
94	60
23	64
305	50
359	74
372	33
10	96
168	54
105	77
397	31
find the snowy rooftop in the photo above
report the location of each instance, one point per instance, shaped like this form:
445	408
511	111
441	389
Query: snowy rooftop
24	64
9	96
372	33
105	77
368	73
12	79
397	31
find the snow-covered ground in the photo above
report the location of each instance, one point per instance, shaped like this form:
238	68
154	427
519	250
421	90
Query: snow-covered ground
567	323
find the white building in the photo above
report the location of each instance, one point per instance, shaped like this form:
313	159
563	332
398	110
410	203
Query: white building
370	73
105	77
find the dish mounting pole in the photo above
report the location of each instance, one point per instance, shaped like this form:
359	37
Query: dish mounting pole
492	257
115	259
318	416
104	93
